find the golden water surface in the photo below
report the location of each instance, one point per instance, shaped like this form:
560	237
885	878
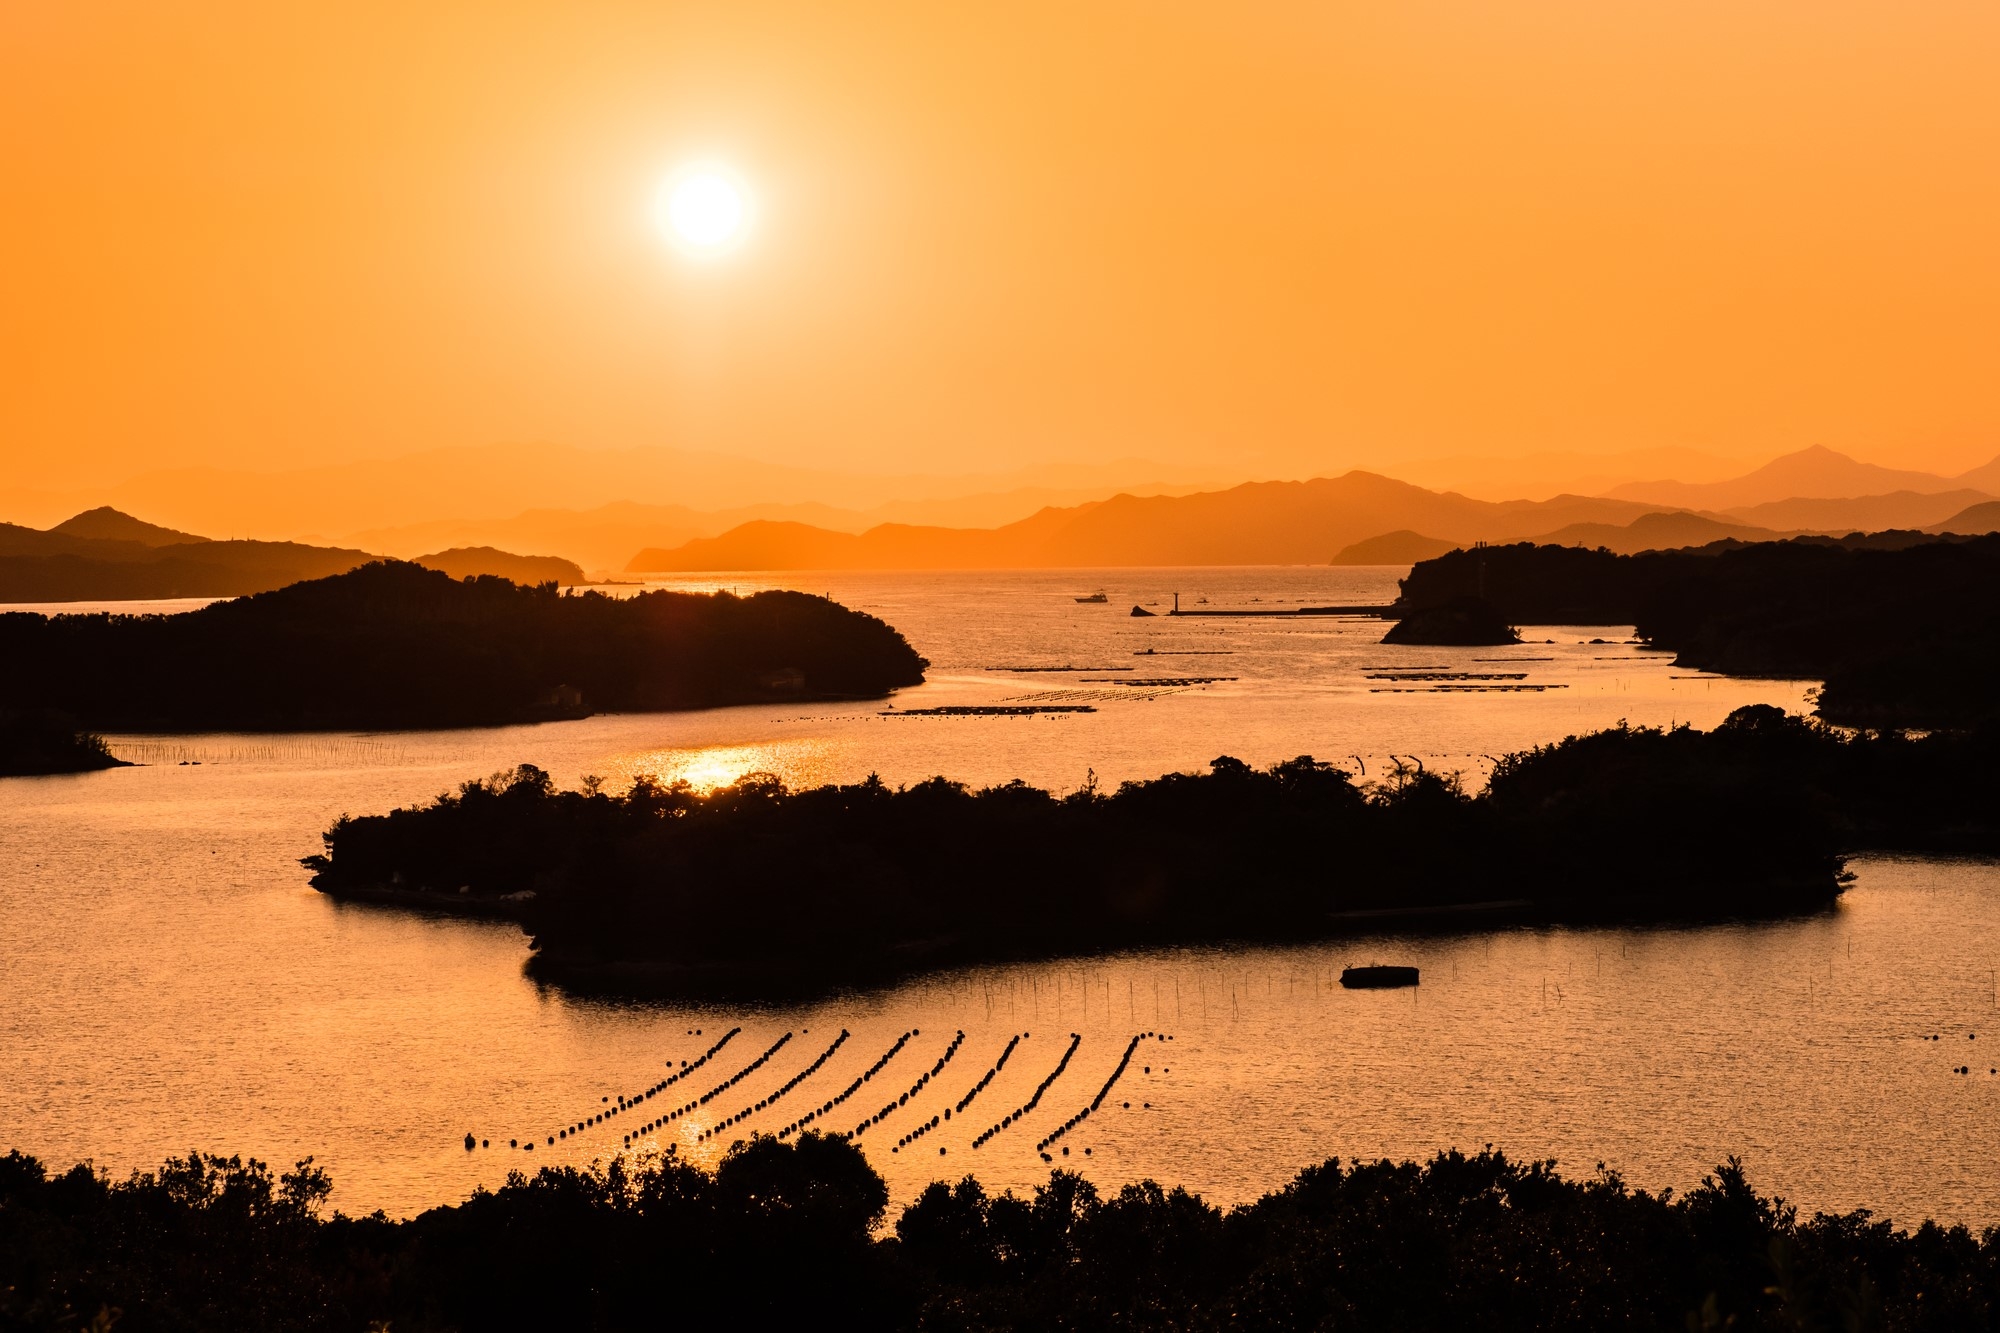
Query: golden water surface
170	982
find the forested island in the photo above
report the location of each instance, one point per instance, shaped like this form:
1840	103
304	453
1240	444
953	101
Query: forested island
790	1235
756	889
392	644
36	742
1904	632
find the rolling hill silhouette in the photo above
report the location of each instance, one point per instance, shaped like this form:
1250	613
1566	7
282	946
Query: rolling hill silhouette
1656	532
1971	521
107	524
1817	473
1866	513
485	481
1275	522
1330	518
466	562
104	554
604	537
1401	547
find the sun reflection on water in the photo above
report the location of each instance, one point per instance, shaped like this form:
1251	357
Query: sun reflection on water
801	762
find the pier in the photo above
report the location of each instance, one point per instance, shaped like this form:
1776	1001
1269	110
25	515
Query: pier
1383	612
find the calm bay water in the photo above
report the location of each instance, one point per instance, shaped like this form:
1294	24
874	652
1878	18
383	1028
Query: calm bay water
171	983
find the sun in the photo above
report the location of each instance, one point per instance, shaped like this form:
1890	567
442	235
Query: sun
704	211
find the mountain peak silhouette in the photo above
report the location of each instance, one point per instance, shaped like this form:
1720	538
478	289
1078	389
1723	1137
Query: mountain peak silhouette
1813	473
107	524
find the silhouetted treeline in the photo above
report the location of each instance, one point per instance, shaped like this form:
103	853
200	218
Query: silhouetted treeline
395	645
38	741
786	1235
758	888
1902	637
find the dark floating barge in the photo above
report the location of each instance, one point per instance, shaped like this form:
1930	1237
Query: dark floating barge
1377	977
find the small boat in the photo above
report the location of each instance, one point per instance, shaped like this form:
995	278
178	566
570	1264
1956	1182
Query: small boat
1097	596
1141	611
1377	977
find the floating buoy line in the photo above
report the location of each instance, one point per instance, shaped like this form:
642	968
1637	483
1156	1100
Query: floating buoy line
795	1080
915	1088
1097	1101
852	1088
628	1104
990	1074
1075	1040
631	1103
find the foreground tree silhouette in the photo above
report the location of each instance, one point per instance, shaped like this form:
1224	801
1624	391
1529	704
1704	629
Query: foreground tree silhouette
789	1235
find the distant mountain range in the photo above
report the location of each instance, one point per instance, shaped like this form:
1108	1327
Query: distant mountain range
1295	522
1041	523
601	507
1311	522
105	554
1284	522
604	538
478	483
795	535
1542	475
1817	473
1897	509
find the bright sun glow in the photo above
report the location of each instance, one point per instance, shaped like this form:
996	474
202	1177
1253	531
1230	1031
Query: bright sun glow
704	211
801	762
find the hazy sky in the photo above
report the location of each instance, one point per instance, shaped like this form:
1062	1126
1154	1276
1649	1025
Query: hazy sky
1299	234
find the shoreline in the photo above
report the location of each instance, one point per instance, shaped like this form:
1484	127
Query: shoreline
784	980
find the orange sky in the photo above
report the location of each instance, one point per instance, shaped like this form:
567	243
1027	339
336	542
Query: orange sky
1302	236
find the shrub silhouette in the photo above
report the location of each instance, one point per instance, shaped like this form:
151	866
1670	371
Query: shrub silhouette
789	1235
41	741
